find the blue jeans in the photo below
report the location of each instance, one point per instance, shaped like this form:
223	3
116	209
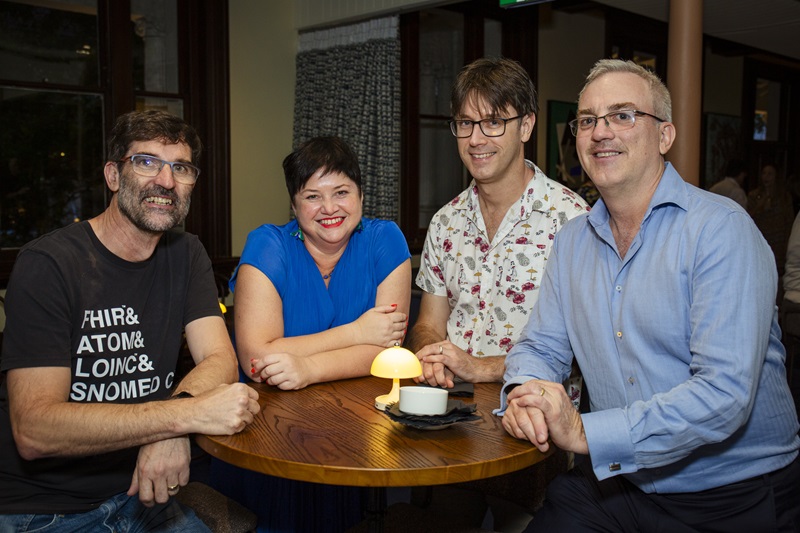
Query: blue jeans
120	514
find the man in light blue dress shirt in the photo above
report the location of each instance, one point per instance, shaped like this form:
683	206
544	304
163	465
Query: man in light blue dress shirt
665	296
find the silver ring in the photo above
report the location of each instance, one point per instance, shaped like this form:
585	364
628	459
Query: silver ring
440	349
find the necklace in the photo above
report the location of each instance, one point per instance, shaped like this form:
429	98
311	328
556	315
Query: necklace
329	274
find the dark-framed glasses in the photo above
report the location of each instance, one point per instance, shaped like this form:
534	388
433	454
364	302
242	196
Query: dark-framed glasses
615	121
491	127
149	166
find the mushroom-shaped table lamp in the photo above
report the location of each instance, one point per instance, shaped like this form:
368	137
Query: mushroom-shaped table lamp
396	363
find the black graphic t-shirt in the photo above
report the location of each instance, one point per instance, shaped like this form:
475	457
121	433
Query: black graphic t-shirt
118	325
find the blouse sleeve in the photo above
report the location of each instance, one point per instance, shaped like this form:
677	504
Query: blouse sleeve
389	248
264	250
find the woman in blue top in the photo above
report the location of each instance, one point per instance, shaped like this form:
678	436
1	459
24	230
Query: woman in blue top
315	300
318	298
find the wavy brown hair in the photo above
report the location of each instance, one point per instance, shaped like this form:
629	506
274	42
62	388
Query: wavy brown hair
500	82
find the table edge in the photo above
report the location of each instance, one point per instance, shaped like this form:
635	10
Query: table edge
372	477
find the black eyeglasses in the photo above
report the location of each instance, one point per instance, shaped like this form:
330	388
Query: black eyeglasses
615	121
491	127
149	166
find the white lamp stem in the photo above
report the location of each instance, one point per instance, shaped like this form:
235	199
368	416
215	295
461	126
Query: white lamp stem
394	396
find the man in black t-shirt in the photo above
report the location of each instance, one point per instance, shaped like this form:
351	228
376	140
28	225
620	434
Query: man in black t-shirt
93	428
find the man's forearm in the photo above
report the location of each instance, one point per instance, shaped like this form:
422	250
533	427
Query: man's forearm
421	335
211	349
216	369
112	426
490	369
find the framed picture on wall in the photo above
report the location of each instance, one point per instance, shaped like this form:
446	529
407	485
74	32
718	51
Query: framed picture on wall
562	156
722	136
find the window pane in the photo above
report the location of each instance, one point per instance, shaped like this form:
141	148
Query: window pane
492	38
442	175
768	110
155	45
173	106
51	160
441	56
49	44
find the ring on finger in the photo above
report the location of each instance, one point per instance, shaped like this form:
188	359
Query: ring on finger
440	349
173	488
541	392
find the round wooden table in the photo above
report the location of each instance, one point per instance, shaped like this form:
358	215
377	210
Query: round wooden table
332	433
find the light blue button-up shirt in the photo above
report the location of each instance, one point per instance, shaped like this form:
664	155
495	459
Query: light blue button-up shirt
678	343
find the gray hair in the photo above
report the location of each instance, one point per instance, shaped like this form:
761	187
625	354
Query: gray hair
662	101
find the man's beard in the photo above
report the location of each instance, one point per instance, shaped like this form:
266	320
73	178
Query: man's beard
131	204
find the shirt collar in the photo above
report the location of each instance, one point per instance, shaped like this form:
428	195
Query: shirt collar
538	196
672	189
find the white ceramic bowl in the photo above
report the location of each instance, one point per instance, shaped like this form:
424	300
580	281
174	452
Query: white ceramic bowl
416	400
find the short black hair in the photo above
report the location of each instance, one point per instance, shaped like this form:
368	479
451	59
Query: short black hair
329	153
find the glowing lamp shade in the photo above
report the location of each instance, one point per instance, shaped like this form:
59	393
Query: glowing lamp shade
395	363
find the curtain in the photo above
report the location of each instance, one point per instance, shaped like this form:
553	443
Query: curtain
348	84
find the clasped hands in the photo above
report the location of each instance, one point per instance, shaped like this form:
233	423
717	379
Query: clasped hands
444	362
540	411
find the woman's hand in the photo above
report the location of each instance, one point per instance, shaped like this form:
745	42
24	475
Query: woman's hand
282	370
381	326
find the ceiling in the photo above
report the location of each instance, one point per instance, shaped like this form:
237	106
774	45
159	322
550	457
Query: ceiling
771	25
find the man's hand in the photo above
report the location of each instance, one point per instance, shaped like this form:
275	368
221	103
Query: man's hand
436	365
283	370
443	363
538	410
223	410
161	465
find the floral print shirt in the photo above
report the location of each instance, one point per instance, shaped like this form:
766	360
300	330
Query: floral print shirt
491	286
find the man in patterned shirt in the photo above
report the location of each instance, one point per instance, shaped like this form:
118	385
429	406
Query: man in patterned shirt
486	250
481	267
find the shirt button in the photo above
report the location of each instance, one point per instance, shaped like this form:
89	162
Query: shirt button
618	287
630	380
619	334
